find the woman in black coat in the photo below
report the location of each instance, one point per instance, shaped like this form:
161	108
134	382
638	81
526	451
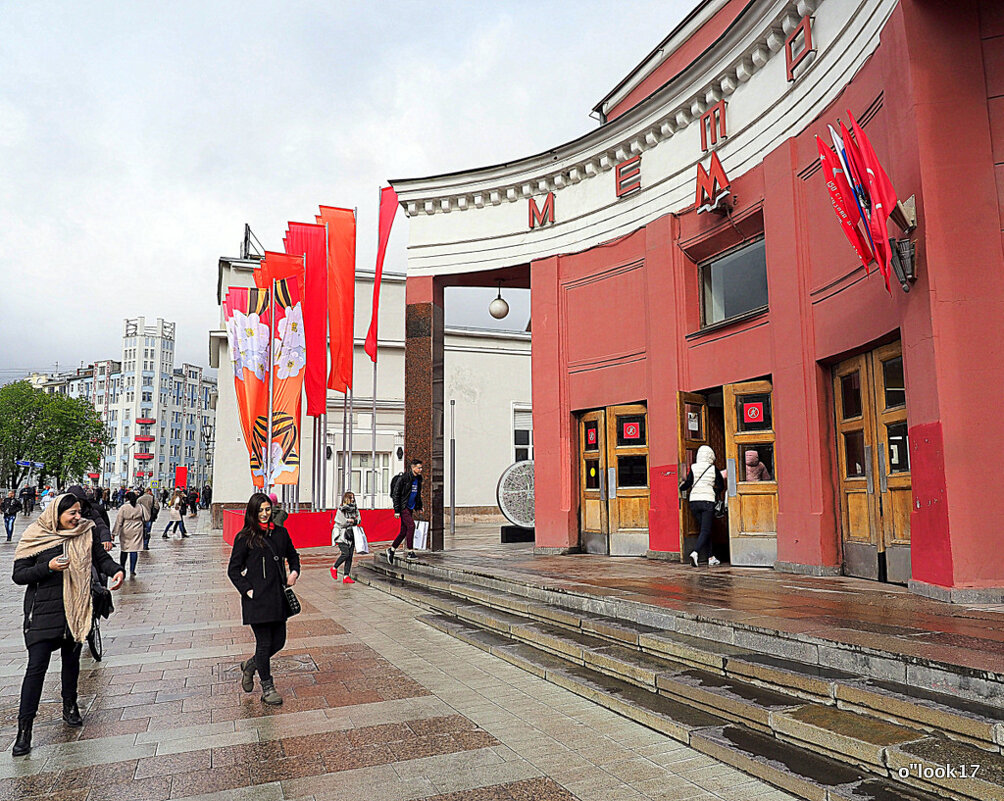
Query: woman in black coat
53	559
257	569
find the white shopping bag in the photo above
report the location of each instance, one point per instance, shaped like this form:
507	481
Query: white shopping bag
422	534
362	544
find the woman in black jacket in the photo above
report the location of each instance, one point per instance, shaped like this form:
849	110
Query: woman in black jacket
257	569
54	558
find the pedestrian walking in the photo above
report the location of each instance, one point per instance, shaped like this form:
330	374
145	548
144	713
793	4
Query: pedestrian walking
165	496
406	494
207	496
193	503
704	491
279	514
263	598
27	496
129	527
53	560
120	496
47	495
176	515
343	535
149	503
10	506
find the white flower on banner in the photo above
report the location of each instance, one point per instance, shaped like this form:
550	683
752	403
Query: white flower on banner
289	361
233	341
292	328
253	337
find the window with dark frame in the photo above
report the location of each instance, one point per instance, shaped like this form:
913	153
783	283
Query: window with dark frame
734	284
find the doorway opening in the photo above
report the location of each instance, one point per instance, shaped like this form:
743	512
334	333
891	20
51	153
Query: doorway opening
736	421
613	480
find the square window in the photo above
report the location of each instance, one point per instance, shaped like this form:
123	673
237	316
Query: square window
592	474
735	283
592	435
521	437
754	412
631	431
756	462
632	471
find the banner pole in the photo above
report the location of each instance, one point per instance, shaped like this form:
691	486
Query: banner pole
345	420
348	483
373	464
271	378
453	470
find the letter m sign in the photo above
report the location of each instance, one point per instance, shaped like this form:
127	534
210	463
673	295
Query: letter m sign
539	216
712	185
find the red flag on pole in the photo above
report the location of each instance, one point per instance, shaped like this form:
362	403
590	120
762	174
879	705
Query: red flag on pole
880	189
843	202
308	239
341	225
879	236
388	208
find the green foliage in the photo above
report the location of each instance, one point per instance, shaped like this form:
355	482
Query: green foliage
66	434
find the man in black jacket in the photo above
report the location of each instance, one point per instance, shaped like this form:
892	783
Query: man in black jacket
407	498
10	506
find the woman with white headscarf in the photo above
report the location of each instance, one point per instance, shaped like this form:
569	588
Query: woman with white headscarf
53	559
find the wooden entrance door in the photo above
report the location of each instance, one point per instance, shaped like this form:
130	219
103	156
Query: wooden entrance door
613	480
627	479
752	476
593	514
692	413
873	460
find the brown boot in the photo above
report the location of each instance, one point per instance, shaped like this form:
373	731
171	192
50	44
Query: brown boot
268	693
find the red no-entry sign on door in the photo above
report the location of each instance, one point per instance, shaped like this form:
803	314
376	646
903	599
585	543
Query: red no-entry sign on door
753	412
632	431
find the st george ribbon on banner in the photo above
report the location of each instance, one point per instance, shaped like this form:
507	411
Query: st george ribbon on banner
307	240
388	208
341	227
841	196
256	349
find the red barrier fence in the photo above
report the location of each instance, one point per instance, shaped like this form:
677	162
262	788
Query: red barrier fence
313	529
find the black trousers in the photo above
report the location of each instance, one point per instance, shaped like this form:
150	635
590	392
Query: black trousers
38	663
346	557
269	640
704	511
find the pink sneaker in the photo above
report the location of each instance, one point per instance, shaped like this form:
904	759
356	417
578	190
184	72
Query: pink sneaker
348	580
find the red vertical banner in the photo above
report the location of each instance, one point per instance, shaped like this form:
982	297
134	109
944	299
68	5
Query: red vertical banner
281	445
181	476
308	240
388	208
341	225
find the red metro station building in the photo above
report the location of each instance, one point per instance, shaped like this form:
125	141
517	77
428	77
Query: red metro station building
690	284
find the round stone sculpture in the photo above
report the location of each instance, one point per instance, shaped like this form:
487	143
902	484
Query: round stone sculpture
515	494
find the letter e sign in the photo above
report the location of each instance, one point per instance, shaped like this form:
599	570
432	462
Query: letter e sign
753	412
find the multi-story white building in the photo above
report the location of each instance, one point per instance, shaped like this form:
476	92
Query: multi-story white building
159	416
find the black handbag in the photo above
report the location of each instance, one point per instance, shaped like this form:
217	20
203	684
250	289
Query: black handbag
721	507
292	602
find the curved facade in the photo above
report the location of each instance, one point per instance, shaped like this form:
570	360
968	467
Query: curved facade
691	285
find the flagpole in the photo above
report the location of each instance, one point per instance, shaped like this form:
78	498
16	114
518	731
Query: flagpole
373	464
324	415
271	379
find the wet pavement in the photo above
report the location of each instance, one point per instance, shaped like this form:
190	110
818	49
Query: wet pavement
853	611
377	706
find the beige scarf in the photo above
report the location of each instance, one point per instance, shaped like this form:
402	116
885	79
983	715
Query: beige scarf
45	533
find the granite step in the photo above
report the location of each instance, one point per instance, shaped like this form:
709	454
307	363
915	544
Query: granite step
782	764
868	662
639	653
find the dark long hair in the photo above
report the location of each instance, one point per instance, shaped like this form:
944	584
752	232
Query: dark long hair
65	503
252	530
131	497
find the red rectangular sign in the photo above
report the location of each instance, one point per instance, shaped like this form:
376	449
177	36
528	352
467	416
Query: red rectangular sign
753	412
591	436
632	431
181	476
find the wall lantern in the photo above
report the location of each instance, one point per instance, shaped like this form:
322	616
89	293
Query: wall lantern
903	263
498	308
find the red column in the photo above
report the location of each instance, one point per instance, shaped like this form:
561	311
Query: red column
555	437
806	531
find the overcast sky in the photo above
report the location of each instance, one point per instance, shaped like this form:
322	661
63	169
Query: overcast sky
136	139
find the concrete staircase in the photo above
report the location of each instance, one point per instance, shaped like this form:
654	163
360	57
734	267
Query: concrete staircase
802	715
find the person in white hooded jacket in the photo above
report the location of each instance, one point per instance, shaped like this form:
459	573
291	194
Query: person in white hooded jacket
704	482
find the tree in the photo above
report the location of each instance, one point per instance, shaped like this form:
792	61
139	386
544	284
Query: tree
65	434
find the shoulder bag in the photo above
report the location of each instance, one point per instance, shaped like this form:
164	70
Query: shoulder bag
292	602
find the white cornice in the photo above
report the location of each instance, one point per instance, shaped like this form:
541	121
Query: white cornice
738	55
